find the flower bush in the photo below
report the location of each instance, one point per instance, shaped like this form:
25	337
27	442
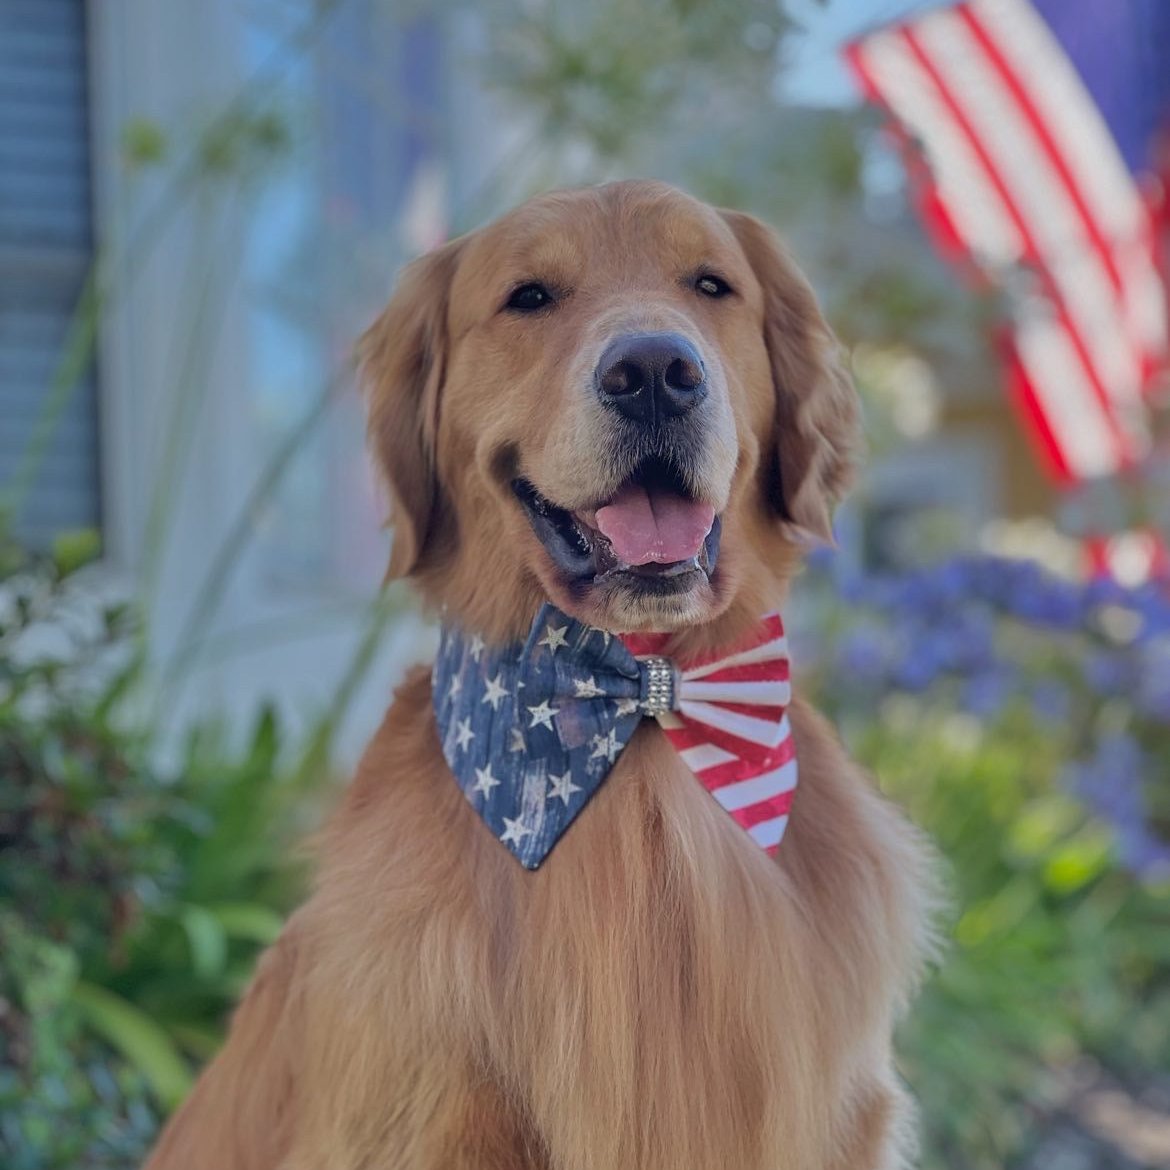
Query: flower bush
983	635
1023	720
133	897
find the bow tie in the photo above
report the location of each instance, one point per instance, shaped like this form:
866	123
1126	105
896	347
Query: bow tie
532	730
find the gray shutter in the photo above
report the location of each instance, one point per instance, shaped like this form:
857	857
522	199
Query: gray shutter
45	246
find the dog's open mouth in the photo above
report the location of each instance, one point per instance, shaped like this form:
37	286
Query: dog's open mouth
652	529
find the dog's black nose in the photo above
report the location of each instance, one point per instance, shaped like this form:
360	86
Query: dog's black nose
651	376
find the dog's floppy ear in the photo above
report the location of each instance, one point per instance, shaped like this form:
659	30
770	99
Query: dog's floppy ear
810	465
402	360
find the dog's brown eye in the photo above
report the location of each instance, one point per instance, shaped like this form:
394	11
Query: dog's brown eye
530	297
712	286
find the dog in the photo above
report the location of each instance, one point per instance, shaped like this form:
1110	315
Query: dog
660	992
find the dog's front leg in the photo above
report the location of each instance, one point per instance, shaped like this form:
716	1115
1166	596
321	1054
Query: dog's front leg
240	1115
298	1086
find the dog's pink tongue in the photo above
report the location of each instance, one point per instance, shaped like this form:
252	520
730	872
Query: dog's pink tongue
654	526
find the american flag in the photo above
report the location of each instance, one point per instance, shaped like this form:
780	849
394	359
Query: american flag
731	728
1028	126
531	731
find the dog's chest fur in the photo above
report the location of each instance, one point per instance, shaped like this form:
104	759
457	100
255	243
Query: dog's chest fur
657	994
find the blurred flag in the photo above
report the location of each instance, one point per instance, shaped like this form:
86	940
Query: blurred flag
1029	129
1132	558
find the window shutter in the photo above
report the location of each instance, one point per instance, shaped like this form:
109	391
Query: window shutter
45	247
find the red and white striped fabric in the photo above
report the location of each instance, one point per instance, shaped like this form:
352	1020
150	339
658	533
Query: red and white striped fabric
1130	558
1024	177
731	728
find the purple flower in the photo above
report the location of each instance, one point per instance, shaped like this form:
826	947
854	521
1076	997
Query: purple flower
1110	779
1143	853
1104	591
986	693
1051	701
821	558
1110	782
862	656
1153	687
1152	604
1109	674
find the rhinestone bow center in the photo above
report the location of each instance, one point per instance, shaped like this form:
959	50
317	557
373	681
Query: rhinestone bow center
659	687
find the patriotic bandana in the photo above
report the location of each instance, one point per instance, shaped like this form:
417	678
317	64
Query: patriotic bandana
532	730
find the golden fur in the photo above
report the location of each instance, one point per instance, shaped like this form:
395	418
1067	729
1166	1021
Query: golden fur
660	993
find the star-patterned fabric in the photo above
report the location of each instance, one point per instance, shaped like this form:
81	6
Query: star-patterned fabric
531	730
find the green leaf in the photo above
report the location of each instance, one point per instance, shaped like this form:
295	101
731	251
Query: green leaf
207	940
1041	824
144	142
248	921
139	1038
74	549
201	1042
1077	863
265	742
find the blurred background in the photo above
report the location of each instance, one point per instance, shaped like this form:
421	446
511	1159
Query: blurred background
202	205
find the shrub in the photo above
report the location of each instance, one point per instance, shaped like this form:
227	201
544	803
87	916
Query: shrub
1022	720
135	897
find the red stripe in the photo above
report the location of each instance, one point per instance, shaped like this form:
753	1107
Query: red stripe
957	113
854	54
1022	393
1039	127
1104	247
766	810
688	736
695	734
1096	550
768	629
644	643
936	217
770	714
932	208
773	668
729	743
721	775
1156	198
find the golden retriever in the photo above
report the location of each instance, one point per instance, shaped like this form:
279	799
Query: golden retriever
662	993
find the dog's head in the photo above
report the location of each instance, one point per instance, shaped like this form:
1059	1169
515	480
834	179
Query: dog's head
619	399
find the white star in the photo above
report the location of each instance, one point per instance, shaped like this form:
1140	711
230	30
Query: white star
484	781
463	733
514	831
517	744
542	714
554	637
605	745
627	706
455	687
562	786
476	648
495	692
587	688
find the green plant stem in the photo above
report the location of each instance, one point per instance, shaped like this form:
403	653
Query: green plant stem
223	564
206	316
316	756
